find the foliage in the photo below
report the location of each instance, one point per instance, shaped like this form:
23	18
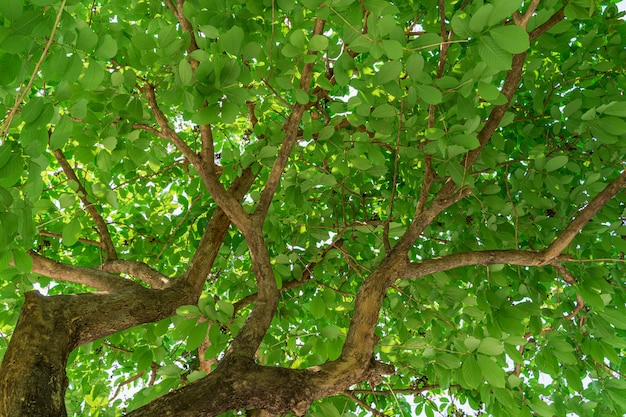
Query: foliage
461	161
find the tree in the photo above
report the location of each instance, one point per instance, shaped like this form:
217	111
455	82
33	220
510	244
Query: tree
335	207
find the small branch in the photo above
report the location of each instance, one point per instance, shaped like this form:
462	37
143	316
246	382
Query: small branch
178	226
24	91
521	20
103	230
590	210
166	131
208	149
139	270
304	278
81	240
94	278
214	234
488	257
291	129
225	201
350	394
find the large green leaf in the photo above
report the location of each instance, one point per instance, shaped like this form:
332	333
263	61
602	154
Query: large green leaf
511	38
493	54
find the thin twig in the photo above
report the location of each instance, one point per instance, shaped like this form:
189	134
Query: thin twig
24	91
101	225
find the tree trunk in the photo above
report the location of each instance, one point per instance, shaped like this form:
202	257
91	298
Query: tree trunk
32	374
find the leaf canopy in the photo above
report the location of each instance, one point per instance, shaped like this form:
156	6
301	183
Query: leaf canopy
463	159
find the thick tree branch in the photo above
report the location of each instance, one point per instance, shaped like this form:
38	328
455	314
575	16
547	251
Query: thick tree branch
140	270
94	278
212	238
101	225
273	389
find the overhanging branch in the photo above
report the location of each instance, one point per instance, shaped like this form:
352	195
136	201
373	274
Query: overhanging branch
100	280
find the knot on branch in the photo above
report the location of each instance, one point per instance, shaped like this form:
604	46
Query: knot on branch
376	370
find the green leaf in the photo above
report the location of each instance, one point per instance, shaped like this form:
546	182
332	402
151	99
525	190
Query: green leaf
480	18
393	49
11	66
226	306
488	91
491	371
268	152
188	311
471	372
429	94
71	232
317	307
471	343
511	38
107	48
330	331
197	336
415	65
555	163
231	40
503	9
469	142
494	56
22	261
318	43
11	9
360	162
615	108
384	111
184	72
209	31
302	97
389	71
93	76
490	346
606	128
12	168
614	317
87	39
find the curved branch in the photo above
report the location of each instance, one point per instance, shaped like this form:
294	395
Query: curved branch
101	225
94	278
585	215
487	257
140	270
